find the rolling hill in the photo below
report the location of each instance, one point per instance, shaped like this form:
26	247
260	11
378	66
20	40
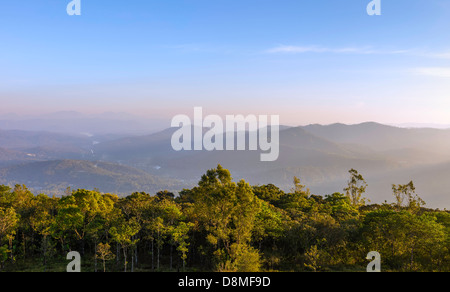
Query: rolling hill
319	155
10	157
56	176
380	137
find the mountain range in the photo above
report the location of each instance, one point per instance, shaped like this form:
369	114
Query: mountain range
320	155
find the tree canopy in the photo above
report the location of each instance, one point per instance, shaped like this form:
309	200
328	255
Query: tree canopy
222	225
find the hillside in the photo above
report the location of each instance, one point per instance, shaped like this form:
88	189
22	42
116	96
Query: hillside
51	146
298	148
56	176
320	155
21	140
9	157
380	137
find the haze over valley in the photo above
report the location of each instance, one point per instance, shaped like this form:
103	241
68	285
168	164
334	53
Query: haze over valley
112	159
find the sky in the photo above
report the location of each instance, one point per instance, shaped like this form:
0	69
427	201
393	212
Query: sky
308	61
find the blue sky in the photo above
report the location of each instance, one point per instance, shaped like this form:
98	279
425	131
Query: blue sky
310	61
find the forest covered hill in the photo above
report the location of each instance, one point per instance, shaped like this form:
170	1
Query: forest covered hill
223	225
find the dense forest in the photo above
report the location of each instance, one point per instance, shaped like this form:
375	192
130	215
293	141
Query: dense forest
222	225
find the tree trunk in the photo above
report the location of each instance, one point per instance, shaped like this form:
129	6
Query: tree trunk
125	258
159	248
171	257
11	249
157	262
153	255
95	256
24	243
132	259
44	242
136	256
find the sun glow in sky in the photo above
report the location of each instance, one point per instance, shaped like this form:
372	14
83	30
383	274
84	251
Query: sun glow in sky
320	61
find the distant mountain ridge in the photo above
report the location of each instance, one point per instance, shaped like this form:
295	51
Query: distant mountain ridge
320	155
381	137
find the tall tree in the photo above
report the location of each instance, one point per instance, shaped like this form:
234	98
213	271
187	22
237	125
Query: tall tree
42	221
123	233
407	193
9	220
228	213
180	237
356	188
104	253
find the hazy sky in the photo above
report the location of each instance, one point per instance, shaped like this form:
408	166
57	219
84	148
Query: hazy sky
310	61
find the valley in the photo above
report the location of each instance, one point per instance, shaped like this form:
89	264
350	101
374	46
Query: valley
319	155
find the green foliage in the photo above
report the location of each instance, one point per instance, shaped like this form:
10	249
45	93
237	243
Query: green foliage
104	253
312	258
407	193
356	188
222	225
226	212
341	207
